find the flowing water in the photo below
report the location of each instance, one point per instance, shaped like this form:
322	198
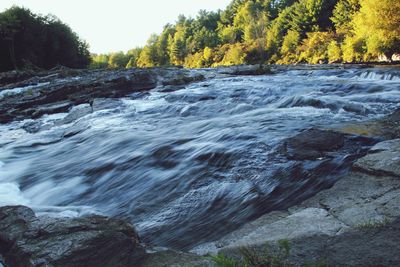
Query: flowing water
189	165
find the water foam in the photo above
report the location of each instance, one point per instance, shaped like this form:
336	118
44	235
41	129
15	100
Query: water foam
369	75
20	90
10	194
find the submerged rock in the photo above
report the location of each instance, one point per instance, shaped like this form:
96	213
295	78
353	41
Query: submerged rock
313	144
26	240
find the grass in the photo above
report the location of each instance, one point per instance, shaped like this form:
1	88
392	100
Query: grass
373	224
223	261
251	257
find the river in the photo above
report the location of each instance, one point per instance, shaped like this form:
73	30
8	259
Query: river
189	165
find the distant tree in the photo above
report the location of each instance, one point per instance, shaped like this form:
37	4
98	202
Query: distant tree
27	39
234	56
378	22
334	52
289	47
283	31
99	61
9	26
353	49
343	14
149	55
118	60
133	56
314	49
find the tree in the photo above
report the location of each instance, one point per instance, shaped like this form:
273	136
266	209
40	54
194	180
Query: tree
378	22
314	49
99	61
9	26
27	39
334	52
118	60
148	56
133	56
289	47
343	14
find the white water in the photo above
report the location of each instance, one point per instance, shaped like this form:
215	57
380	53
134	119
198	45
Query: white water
21	90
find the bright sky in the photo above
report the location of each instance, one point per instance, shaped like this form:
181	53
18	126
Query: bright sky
116	25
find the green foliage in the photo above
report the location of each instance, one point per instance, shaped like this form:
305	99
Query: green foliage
334	52
27	39
223	261
273	31
252	257
118	60
235	55
99	61
353	49
258	32
378	23
289	47
343	14
374	224
314	49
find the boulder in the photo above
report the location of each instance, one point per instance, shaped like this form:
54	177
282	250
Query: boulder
27	240
383	159
312	144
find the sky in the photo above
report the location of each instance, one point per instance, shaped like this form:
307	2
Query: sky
117	25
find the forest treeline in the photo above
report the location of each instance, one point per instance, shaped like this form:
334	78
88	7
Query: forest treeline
246	32
271	31
32	41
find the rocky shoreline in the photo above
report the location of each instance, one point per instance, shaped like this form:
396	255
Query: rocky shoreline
356	222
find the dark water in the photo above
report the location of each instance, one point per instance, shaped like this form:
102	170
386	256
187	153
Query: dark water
187	166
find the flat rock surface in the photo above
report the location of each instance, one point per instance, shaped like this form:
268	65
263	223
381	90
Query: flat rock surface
354	223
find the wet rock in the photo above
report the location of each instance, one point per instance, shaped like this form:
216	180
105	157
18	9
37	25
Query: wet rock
26	240
183	79
60	94
60	89
313	144
51	108
14	76
32	126
103	103
246	70
386	128
76	113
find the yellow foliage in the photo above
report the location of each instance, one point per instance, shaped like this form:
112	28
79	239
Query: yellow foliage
378	23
